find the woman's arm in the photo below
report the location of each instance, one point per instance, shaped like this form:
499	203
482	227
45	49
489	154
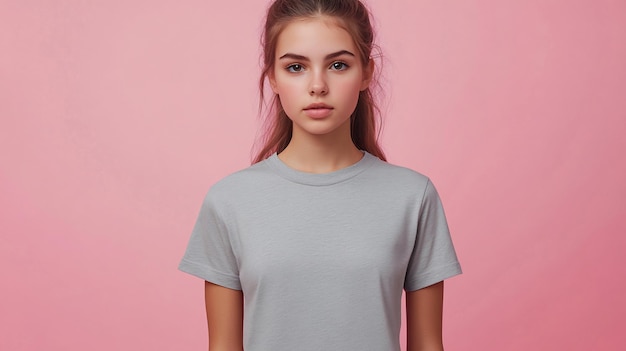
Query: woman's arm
424	309
224	311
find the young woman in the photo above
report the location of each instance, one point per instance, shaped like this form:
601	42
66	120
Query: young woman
311	247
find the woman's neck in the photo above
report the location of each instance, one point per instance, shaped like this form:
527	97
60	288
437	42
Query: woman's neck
319	153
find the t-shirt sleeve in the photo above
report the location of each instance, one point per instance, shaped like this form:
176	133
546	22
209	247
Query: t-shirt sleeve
210	253
433	258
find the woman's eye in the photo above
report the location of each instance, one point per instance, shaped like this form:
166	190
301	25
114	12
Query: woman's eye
339	66
294	68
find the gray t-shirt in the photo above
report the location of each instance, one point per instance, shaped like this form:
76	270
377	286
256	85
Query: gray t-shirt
322	258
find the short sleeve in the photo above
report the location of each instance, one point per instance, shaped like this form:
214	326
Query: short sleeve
210	253
433	258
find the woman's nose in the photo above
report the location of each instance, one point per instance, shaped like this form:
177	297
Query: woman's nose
318	84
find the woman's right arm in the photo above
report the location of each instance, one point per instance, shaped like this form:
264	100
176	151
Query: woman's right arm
224	311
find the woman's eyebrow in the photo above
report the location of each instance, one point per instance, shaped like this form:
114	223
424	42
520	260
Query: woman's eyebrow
304	58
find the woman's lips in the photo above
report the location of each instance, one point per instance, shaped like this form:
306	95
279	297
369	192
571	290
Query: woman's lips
318	110
317	113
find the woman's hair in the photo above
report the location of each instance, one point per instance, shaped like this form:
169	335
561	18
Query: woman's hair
353	16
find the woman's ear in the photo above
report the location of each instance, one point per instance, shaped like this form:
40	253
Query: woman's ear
368	74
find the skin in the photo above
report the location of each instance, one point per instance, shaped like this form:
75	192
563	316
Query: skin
317	62
224	311
424	310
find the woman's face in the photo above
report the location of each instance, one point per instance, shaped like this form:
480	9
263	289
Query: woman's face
318	76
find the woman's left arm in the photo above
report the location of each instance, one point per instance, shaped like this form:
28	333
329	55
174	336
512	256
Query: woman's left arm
424	310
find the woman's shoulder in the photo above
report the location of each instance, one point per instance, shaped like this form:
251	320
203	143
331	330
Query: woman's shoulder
403	182
241	181
399	174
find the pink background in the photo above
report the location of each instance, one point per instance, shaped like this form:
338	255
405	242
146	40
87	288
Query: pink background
116	117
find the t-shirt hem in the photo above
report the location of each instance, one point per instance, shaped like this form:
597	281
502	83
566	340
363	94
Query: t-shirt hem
210	275
434	276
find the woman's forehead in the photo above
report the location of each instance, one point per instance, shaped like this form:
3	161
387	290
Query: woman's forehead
317	36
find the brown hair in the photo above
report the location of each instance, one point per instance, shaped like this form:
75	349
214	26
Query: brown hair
354	18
